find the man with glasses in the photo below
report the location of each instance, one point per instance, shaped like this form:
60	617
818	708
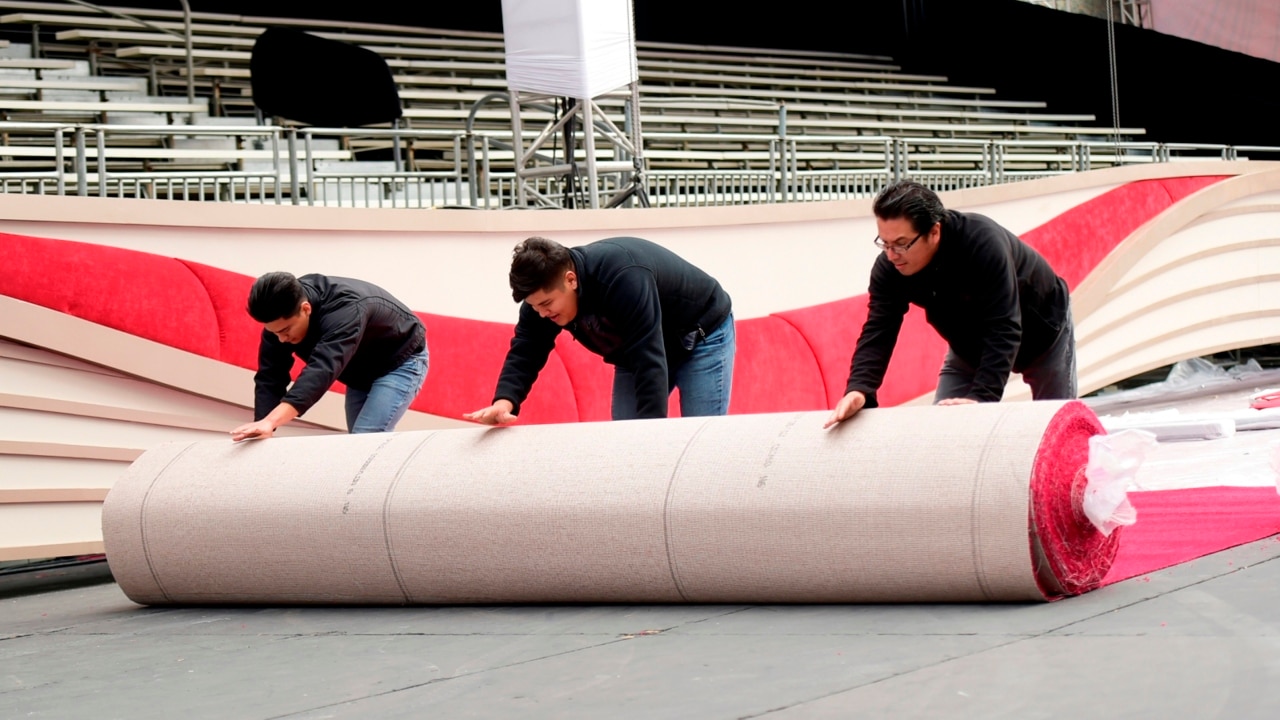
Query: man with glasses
995	300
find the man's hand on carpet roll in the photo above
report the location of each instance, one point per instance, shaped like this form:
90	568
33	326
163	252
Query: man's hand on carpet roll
253	431
848	406
958	401
266	427
498	413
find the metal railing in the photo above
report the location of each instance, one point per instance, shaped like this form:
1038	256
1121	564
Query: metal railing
438	168
255	164
396	186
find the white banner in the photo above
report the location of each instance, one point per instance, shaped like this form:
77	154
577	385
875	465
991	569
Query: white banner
574	48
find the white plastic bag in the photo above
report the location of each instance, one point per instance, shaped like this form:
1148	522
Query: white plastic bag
1114	460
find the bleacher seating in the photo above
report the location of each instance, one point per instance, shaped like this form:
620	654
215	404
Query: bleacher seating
739	102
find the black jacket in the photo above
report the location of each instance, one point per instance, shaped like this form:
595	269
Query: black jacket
994	299
358	333
640	306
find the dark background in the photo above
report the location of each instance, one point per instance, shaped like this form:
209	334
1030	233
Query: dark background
1178	90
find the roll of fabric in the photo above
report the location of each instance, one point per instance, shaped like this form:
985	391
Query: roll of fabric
907	504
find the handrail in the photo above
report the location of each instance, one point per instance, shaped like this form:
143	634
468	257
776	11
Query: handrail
125	16
185	35
801	167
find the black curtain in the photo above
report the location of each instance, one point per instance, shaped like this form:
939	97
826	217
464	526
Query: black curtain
321	82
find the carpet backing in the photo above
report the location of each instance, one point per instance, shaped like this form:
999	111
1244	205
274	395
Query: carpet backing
903	504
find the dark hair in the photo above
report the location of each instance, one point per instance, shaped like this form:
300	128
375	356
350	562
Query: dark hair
537	264
911	200
274	296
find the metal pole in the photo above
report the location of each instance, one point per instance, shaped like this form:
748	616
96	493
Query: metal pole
311	177
395	145
62	182
457	173
637	142
82	174
589	139
794	173
293	167
628	180
471	169
191	66
488	200
275	161
101	142
517	144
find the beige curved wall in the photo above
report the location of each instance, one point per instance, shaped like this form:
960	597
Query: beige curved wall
1202	277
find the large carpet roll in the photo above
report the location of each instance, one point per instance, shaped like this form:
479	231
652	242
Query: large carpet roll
933	504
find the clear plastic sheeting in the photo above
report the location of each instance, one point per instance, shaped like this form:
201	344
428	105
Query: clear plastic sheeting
1114	460
1191	378
1200	392
573	48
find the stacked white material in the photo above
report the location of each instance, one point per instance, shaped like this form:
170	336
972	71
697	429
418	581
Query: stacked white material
572	48
1171	425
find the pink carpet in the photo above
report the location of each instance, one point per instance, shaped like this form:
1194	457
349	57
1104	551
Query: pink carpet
1175	526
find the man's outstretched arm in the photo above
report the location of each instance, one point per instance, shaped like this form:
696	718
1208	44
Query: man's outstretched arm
266	427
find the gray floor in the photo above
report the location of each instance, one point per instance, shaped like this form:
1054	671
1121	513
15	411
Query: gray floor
1200	640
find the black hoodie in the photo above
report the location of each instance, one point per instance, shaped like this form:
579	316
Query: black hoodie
638	304
357	333
993	298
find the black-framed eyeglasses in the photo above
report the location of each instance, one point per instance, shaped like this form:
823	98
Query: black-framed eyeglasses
896	248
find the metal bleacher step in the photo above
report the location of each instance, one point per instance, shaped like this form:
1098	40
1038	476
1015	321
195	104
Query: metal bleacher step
16	50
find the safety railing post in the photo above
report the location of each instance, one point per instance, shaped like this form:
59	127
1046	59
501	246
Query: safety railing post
472	182
293	168
101	143
59	160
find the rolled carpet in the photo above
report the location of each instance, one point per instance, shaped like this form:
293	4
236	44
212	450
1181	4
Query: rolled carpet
907	504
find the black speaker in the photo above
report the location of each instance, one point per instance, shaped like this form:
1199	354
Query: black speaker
321	82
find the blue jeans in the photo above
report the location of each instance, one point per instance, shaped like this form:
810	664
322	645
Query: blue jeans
705	379
1052	376
382	406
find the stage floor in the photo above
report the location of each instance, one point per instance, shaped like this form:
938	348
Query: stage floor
1200	639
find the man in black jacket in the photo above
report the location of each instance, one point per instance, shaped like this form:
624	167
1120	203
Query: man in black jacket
347	330
995	300
659	320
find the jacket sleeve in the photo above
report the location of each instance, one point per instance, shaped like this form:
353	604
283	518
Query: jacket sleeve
531	345
878	338
340	333
1000	321
633	305
271	382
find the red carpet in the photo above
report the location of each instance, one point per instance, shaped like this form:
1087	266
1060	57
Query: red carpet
1175	526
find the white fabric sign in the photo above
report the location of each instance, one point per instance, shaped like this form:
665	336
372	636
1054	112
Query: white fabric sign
575	48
